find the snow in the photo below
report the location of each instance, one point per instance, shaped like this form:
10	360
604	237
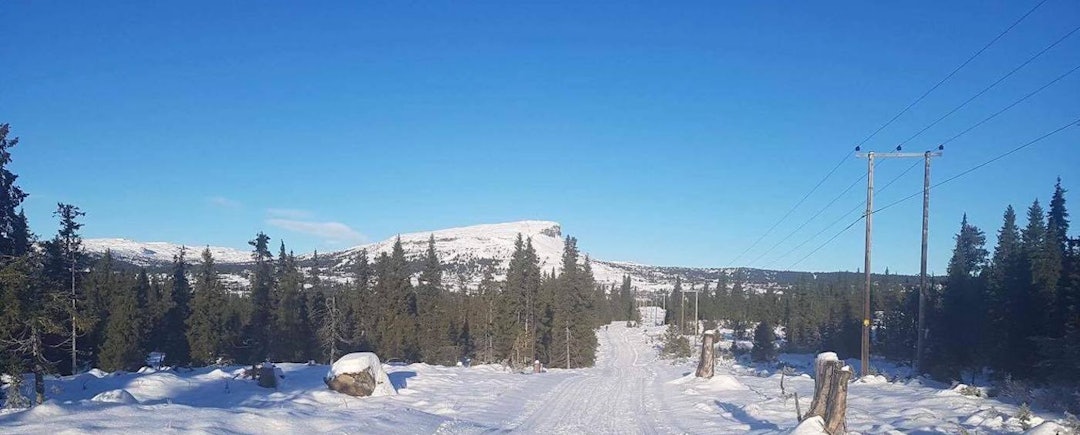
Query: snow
630	390
153	253
358	362
811	426
115	396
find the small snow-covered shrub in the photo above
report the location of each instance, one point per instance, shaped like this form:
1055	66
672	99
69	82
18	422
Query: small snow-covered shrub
13	395
1024	415
1015	389
970	390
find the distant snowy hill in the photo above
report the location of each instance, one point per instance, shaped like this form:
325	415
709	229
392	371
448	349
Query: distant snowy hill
158	253
463	251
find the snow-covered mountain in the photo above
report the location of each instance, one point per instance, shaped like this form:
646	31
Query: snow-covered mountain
463	251
157	253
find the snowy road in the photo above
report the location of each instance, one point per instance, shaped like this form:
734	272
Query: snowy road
617	396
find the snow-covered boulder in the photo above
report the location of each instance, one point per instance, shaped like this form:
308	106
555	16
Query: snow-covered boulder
359	374
115	396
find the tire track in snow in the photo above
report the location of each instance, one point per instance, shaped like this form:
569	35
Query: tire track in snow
613	397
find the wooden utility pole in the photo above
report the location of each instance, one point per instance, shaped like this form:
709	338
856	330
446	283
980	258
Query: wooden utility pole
921	332
864	358
869	216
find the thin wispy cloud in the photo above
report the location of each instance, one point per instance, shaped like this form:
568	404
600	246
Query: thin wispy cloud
335	233
289	213
223	202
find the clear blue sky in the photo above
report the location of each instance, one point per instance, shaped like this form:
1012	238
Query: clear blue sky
654	133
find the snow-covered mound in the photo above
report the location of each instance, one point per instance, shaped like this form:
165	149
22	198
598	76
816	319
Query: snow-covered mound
115	396
360	362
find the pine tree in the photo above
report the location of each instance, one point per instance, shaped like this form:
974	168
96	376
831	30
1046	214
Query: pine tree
764	343
123	332
258	331
206	325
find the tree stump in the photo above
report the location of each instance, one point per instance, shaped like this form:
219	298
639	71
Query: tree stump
837	403
831	379
537	368
708	356
266	377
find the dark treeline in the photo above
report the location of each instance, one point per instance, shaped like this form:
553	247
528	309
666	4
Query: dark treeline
63	312
1014	310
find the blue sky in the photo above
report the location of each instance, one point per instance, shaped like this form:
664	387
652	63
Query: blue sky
654	133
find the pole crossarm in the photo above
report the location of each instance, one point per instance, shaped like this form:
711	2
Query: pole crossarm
879	155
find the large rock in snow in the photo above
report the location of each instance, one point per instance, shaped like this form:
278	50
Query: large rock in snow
359	374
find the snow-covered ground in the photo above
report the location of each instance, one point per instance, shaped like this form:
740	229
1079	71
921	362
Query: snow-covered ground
630	390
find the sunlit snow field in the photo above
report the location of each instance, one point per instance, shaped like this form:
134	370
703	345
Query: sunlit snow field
630	390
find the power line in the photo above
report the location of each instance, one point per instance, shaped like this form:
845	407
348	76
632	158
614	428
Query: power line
992	85
1011	105
792	210
886	124
954	137
980	165
950	179
804	224
947	77
849	212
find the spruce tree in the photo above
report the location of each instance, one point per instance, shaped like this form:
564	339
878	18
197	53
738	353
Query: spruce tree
764	349
362	311
962	304
14	235
174	322
258	331
488	293
396	324
121	349
434	340
1007	300
206	325
291	334
101	286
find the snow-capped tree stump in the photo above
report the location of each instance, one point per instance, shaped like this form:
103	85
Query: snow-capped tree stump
708	356
831	379
836	408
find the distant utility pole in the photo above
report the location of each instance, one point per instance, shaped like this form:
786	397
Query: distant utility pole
696	319
870	156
